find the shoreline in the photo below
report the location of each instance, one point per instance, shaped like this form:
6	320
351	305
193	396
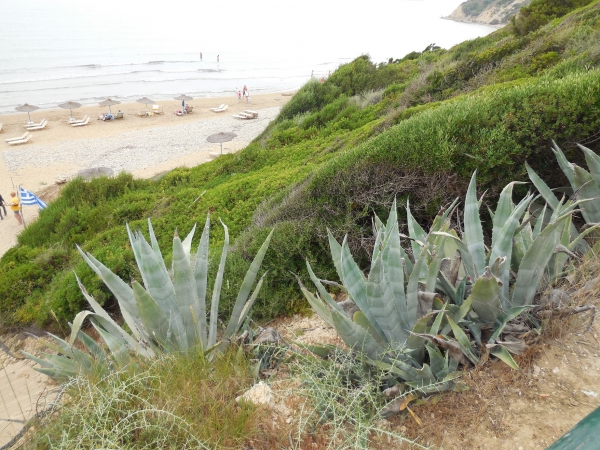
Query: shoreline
142	146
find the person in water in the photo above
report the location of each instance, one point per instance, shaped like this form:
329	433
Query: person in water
200	56
217	58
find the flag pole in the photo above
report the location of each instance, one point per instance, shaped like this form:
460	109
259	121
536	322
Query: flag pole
21	206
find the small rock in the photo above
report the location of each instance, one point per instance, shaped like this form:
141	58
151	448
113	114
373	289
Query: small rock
555	370
591	394
259	394
536	371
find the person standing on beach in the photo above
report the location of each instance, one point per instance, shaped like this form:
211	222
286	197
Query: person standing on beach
245	91
239	94
14	205
3	206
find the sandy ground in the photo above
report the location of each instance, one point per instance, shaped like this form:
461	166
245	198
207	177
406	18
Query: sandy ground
59	131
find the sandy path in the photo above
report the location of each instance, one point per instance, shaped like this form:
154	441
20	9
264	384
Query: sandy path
142	146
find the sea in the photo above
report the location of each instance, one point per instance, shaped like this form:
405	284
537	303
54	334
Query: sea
86	51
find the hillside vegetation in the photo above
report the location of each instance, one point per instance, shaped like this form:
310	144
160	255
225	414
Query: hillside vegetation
412	128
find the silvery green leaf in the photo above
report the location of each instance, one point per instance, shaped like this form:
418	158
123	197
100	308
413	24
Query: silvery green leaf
412	289
355	336
473	232
485	297
593	162
382	305
322	291
118	350
250	302
154	319
504	209
201	278
246	286
336	254
501	353
463	341
542	187
588	189
354	280
118	287
186	294
216	294
415	231
503	245
360	319
319	307
155	247
565	165
394	272
187	244
534	264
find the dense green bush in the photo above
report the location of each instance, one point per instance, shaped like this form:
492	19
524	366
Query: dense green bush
540	12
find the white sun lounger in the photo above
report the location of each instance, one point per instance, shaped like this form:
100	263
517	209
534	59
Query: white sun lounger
32	125
253	113
81	124
18	138
218	107
41	126
21	141
224	108
244	116
157	109
75	122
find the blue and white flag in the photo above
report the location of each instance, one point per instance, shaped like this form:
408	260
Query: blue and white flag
30	199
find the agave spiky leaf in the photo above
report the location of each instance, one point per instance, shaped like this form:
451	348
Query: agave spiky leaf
246	288
485	297
534	263
587	188
593	162
201	278
186	293
504	209
473	234
214	307
564	164
382	304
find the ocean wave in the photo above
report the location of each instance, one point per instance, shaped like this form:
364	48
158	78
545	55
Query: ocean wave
98	66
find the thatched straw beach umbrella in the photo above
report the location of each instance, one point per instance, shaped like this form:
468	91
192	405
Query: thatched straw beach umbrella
184	98
27	108
219	138
109	102
70	106
146	101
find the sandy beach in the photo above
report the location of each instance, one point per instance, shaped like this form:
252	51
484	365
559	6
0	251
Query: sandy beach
143	146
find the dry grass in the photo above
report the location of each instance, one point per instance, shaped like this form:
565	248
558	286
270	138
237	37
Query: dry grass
175	402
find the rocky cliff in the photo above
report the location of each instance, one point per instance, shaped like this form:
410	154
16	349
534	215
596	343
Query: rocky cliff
488	12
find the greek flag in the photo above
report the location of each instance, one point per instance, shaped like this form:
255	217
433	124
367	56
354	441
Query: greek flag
30	199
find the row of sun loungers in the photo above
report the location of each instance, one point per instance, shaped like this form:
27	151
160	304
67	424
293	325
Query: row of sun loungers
20	140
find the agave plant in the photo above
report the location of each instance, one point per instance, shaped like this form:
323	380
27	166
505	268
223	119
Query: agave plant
387	310
419	319
167	314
